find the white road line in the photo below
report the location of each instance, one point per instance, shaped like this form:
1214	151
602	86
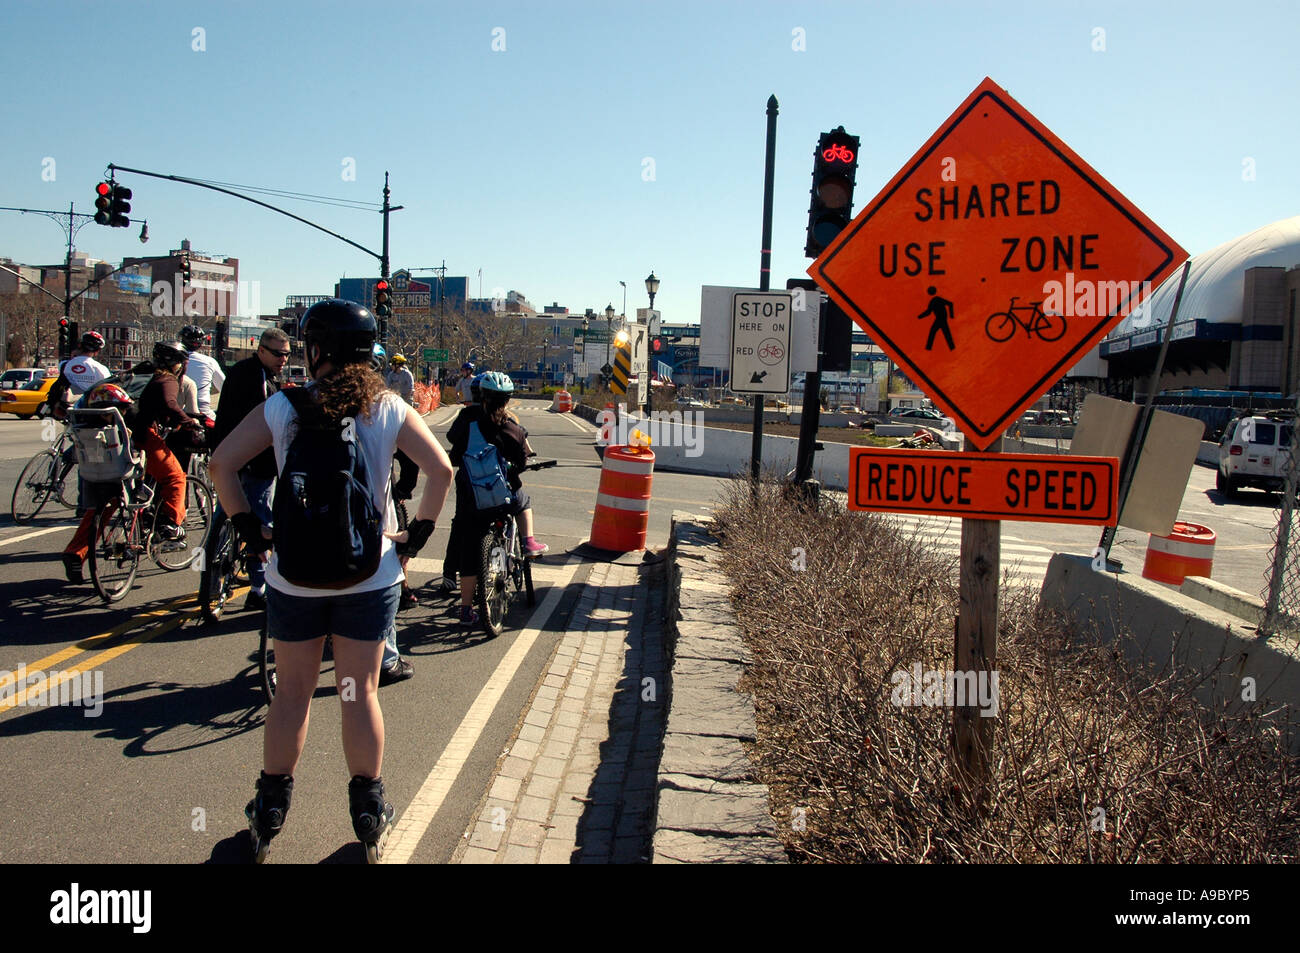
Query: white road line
415	820
578	422
39	532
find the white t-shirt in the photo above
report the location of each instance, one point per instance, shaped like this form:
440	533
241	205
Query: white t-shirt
377	435
83	373
205	372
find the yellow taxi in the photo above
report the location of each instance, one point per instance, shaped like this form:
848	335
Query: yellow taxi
29	400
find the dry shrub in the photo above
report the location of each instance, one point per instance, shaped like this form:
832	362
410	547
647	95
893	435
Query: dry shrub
1080	728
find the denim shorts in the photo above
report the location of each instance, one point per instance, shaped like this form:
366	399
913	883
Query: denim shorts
363	616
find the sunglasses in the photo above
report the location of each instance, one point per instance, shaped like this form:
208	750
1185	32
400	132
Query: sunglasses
276	353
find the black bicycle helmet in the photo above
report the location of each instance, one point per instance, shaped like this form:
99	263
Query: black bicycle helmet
167	353
193	336
338	331
92	341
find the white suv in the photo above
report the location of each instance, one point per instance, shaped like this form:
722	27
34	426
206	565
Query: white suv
1254	452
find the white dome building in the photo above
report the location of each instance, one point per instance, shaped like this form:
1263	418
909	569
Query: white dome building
1236	327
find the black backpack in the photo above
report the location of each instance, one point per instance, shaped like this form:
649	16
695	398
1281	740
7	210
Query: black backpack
327	531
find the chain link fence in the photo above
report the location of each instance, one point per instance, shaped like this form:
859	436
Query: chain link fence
1281	595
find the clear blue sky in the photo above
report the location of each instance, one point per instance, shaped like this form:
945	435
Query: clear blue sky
528	162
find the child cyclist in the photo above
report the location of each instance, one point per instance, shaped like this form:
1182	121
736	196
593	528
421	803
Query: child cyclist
346	404
499	428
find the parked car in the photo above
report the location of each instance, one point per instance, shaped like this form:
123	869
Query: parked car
18	376
1254	452
923	413
29	400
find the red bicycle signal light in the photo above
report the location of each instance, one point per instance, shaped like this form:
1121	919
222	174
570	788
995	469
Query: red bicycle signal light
838	152
835	166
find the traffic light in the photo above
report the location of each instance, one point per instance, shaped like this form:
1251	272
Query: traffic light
657	345
219	340
65	338
835	167
74	335
383	308
103	202
185	270
119	213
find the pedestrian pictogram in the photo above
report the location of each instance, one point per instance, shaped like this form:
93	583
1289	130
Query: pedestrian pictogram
992	262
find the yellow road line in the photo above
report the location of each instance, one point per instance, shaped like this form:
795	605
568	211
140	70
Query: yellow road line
96	660
86	644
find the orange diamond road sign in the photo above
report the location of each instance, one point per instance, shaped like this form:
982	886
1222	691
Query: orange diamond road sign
992	262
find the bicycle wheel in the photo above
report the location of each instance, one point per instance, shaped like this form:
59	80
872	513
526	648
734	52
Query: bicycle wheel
1000	326
266	663
217	577
115	551
1049	327
528	583
493	579
67	485
34	486
198	522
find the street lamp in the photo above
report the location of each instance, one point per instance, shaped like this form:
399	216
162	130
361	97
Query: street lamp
609	321
652	288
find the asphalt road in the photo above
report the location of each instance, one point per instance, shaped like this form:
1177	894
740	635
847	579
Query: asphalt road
163	773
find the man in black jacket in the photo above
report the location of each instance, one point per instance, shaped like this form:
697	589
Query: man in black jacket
248	385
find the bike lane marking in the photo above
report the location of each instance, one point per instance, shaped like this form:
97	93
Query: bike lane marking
85	645
39	532
415	820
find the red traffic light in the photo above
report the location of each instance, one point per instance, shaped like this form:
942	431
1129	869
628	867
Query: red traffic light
381	285
63	322
838	152
102	188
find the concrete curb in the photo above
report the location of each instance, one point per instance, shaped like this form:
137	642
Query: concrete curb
710	807
1172	628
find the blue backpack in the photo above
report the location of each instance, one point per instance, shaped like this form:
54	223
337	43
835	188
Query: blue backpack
327	531
485	471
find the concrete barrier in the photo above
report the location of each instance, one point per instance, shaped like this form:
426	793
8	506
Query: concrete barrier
1169	627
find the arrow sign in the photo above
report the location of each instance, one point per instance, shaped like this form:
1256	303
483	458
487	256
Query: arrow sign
992	262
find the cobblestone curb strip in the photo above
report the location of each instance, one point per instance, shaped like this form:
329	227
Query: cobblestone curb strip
709	807
578	782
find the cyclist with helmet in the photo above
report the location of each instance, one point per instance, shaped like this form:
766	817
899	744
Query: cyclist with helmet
202	368
344	398
159	412
400	380
103	395
463	385
78	374
470	526
249	384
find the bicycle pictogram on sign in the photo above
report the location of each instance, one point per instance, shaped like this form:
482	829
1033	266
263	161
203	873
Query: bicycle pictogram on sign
1001	325
771	351
838	153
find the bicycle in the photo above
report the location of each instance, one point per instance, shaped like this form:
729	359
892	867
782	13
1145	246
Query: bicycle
124	530
50	473
504	571
1001	326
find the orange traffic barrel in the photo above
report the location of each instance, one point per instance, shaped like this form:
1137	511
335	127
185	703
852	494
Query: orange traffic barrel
563	402
1187	551
623	499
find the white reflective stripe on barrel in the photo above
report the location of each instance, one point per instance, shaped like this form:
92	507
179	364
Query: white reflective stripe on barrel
1181	547
628	466
622	503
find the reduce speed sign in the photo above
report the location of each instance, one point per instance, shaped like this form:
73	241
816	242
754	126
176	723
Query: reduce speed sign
760	342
